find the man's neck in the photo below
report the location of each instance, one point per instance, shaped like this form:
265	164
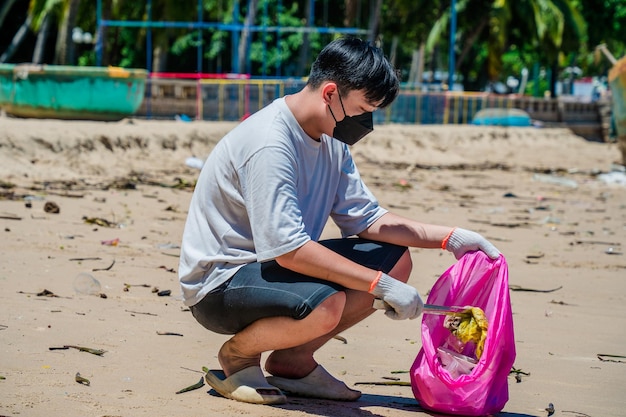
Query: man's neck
300	105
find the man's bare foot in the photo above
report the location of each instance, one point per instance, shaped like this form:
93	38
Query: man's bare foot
280	363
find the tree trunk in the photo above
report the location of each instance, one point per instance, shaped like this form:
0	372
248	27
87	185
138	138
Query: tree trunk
305	49
106	15
554	77
244	40
4	10
159	56
471	39
65	48
17	40
42	38
351	11
374	20
394	51
417	67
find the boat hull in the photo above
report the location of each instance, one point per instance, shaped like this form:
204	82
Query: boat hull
71	93
617	83
502	117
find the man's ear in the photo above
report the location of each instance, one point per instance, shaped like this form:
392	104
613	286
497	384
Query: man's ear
329	89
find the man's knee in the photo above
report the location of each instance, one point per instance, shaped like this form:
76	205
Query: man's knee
402	269
329	312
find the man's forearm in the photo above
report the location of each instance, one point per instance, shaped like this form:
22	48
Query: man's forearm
317	261
399	230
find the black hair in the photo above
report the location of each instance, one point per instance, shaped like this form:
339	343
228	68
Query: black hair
356	65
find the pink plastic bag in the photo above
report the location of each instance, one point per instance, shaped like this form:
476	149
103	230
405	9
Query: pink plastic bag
480	389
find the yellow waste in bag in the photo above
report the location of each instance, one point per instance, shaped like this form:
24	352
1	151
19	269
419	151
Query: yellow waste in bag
469	326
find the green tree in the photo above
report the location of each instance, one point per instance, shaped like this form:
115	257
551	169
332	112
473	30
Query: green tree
17	39
488	29
41	15
169	10
606	22
4	9
495	38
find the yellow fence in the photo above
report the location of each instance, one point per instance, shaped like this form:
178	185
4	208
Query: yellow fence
235	99
213	99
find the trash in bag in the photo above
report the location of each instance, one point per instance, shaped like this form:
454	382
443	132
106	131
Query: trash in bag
452	374
469	326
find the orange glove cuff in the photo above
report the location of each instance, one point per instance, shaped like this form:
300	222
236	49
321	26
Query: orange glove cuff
375	282
444	242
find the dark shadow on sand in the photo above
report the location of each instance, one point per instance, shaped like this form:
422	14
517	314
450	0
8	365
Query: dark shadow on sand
316	407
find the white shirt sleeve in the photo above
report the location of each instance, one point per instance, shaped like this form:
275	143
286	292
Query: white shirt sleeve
355	207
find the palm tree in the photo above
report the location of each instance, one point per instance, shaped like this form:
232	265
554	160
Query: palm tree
168	10
118	50
375	12
305	49
245	36
552	26
65	48
41	15
4	9
18	38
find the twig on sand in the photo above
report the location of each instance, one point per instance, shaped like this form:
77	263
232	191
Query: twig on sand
197	385
93	258
160	333
105	269
43	293
399	383
97	352
81	380
578	413
140	312
520	288
594	242
605	357
5	217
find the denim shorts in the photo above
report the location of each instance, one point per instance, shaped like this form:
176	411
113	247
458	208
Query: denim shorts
260	290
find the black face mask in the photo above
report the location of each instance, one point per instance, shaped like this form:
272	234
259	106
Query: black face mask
352	129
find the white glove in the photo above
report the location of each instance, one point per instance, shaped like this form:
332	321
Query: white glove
461	241
403	301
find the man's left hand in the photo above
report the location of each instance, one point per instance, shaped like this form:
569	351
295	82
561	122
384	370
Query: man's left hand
462	241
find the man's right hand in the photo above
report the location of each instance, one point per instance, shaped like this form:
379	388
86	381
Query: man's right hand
404	300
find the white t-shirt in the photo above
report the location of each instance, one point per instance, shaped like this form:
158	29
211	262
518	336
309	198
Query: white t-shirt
266	189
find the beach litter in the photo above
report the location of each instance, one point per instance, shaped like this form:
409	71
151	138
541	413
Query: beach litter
554	179
518	374
99	221
613	178
110	242
403	184
194	162
86	284
46	293
468	326
51	207
81	380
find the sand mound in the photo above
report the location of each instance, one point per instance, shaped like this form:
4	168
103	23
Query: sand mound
37	150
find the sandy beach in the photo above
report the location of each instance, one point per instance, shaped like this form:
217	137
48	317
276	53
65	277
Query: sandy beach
108	201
